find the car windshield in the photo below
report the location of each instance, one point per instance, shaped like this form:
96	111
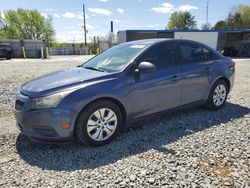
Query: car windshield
114	59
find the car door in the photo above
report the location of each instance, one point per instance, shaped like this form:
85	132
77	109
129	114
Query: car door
195	72
158	90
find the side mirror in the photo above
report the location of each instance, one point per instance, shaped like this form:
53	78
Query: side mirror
146	67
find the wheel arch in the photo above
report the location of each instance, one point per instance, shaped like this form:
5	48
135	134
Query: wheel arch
219	78
116	101
226	80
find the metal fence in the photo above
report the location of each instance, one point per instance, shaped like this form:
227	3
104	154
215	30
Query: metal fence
37	49
70	50
32	48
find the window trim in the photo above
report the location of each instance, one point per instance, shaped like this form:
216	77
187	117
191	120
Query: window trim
192	43
178	63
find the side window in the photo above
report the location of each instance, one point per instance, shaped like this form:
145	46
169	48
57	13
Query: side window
191	53
162	55
209	55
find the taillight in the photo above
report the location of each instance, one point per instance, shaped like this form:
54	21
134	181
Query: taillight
232	67
233	64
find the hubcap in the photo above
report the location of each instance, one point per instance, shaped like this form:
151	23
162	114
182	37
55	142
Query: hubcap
102	124
219	95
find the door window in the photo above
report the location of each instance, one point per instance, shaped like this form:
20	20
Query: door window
162	55
191	53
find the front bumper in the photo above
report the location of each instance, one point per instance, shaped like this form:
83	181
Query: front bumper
43	125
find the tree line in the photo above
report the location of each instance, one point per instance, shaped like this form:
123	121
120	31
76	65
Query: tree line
238	18
31	24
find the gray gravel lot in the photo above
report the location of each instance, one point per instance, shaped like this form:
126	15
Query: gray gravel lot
189	148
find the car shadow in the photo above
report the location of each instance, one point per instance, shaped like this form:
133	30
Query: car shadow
156	134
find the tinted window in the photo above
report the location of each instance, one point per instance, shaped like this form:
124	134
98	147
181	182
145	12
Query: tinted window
162	55
209	55
191	53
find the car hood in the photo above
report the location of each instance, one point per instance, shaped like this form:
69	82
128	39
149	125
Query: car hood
60	80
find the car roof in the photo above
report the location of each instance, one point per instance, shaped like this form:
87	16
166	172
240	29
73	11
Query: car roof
148	41
157	40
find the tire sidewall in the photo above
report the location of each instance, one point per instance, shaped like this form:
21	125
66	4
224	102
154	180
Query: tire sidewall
81	125
210	102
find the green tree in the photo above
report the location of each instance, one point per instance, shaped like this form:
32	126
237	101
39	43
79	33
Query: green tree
26	24
206	26
245	15
234	21
238	18
220	25
181	20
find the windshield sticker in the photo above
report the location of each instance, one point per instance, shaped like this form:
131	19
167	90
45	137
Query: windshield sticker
137	46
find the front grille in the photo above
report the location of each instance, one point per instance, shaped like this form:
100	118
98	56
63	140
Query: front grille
19	105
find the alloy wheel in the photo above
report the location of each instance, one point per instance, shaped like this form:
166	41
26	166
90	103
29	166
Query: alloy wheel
219	95
102	124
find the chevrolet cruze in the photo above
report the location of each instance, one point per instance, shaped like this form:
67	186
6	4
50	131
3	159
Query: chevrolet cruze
93	101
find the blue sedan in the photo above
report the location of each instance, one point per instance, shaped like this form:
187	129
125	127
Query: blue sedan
128	82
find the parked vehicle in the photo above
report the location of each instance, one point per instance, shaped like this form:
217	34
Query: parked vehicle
5	51
125	83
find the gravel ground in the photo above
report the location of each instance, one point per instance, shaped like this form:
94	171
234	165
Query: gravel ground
189	148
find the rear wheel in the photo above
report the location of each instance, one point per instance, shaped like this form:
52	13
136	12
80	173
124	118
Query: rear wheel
99	123
218	95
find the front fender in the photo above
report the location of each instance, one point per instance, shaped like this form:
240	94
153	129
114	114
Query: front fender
118	89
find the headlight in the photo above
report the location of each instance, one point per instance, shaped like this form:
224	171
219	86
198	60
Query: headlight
50	101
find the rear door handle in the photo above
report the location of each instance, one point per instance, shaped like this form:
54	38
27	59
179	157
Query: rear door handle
175	78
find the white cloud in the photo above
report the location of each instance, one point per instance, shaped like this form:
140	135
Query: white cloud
120	10
2	15
49	10
167	8
104	1
100	11
57	15
76	36
156	25
187	8
88	26
117	21
80	16
69	15
43	14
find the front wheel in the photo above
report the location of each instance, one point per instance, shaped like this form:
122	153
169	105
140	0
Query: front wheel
99	123
218	95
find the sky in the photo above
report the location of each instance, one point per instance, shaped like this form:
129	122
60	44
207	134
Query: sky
126	14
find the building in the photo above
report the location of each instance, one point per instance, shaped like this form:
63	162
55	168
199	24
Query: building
231	42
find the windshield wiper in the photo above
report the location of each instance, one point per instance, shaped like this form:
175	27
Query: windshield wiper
93	68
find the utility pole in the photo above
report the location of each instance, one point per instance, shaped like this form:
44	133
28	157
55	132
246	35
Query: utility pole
111	27
207	13
84	24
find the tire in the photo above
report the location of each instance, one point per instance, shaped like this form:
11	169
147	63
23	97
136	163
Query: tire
99	123
8	57
218	95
